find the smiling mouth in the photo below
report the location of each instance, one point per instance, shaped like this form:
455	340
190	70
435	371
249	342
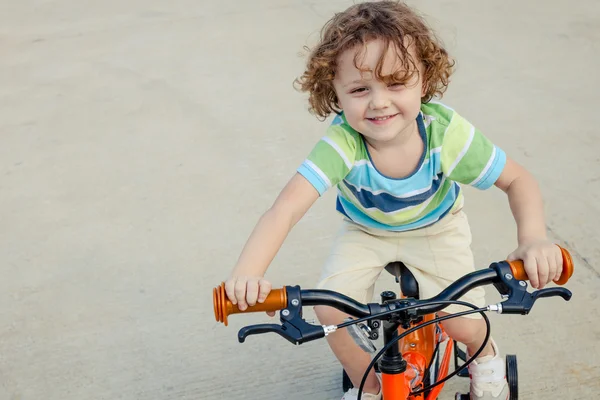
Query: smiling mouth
384	118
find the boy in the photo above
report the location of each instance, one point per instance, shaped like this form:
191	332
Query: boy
397	159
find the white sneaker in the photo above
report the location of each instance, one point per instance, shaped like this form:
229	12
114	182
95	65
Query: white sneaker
488	377
352	394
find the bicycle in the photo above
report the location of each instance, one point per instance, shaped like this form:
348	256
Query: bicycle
409	361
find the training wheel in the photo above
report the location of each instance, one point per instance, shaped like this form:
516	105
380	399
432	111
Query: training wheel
512	376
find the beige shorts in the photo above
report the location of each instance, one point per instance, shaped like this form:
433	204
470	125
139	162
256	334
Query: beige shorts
437	255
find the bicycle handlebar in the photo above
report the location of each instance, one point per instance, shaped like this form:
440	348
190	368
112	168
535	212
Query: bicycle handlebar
278	298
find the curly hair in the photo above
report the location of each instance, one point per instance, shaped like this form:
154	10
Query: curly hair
395	24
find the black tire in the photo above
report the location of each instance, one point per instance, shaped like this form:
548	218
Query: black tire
512	376
346	382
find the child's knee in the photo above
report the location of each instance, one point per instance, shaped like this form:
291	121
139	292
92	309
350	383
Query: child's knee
329	315
465	330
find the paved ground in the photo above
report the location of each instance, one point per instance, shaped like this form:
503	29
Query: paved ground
141	140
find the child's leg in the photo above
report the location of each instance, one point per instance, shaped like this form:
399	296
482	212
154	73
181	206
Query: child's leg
354	265
469	331
353	359
437	256
487	372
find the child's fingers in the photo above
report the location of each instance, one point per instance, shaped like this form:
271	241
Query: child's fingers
543	271
230	290
552	267
559	264
240	293
531	270
271	313
264	288
251	291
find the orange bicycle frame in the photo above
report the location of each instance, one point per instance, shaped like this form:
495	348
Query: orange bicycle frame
417	350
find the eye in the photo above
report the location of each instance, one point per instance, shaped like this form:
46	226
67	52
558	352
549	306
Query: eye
358	90
396	86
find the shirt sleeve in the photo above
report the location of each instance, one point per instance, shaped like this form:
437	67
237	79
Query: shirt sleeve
469	157
330	160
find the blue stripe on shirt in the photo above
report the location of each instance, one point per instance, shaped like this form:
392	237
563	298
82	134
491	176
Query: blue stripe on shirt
313	177
354	214
389	203
494	172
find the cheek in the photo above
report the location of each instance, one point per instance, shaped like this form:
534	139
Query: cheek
409	100
354	110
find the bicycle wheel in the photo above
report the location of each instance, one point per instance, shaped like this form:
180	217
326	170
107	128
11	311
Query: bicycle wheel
512	376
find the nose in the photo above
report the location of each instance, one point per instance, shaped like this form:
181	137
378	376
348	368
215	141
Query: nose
379	100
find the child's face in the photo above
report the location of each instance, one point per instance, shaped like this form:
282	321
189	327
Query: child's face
378	111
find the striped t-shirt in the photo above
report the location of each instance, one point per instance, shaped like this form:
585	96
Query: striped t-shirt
455	152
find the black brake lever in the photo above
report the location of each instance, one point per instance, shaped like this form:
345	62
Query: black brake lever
293	328
551	292
258	329
519	300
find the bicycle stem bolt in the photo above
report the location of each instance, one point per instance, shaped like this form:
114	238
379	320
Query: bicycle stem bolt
387	296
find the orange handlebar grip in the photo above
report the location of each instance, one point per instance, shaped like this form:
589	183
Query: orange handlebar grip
276	300
518	268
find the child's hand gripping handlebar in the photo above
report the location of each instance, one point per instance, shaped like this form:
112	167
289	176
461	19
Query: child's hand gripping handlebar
518	268
275	301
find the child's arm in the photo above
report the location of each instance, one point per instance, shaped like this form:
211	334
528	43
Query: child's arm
543	260
246	285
